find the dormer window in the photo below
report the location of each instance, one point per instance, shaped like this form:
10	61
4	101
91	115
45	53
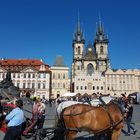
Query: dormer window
42	67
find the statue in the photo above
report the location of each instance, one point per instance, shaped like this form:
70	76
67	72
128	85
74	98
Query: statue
7	88
7	82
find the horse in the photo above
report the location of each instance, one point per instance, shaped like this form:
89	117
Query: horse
95	119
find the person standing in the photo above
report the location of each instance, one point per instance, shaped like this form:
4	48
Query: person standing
50	102
15	119
41	114
129	112
38	115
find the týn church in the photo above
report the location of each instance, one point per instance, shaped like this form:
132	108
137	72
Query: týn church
91	69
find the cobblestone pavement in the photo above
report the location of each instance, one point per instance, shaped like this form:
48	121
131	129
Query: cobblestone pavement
51	122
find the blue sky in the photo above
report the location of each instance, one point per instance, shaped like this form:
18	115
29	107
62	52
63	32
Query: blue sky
43	29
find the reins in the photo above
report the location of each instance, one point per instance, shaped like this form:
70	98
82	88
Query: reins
112	126
108	128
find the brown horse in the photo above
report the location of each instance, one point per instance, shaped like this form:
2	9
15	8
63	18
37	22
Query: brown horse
98	120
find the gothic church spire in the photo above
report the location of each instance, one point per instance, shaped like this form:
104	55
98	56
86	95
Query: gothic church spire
78	35
100	35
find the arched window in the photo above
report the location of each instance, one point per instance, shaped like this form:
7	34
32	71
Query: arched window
44	85
33	75
39	85
90	69
53	75
18	75
33	85
18	83
44	75
29	75
64	85
58	85
53	85
79	49
14	75
101	50
78	67
58	76
24	75
24	85
64	76
28	85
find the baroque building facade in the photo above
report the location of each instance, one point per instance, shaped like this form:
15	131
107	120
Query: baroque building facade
91	70
30	75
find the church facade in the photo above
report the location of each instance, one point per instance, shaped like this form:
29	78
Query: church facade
91	70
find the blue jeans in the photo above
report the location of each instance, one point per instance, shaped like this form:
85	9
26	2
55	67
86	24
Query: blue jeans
129	126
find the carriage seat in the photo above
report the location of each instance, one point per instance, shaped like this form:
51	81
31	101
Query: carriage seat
95	102
102	100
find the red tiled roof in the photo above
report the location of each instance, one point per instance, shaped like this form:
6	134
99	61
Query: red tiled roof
19	64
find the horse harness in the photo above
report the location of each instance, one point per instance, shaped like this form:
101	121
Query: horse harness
112	123
110	128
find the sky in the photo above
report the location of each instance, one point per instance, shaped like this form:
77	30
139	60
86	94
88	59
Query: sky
43	29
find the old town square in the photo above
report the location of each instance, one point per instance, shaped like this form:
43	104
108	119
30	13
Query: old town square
83	52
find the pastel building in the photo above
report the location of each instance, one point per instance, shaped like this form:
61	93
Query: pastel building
60	78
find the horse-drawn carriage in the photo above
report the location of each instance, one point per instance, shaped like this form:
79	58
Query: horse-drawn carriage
73	117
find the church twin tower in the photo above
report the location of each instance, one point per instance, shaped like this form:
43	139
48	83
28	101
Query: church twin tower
93	58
